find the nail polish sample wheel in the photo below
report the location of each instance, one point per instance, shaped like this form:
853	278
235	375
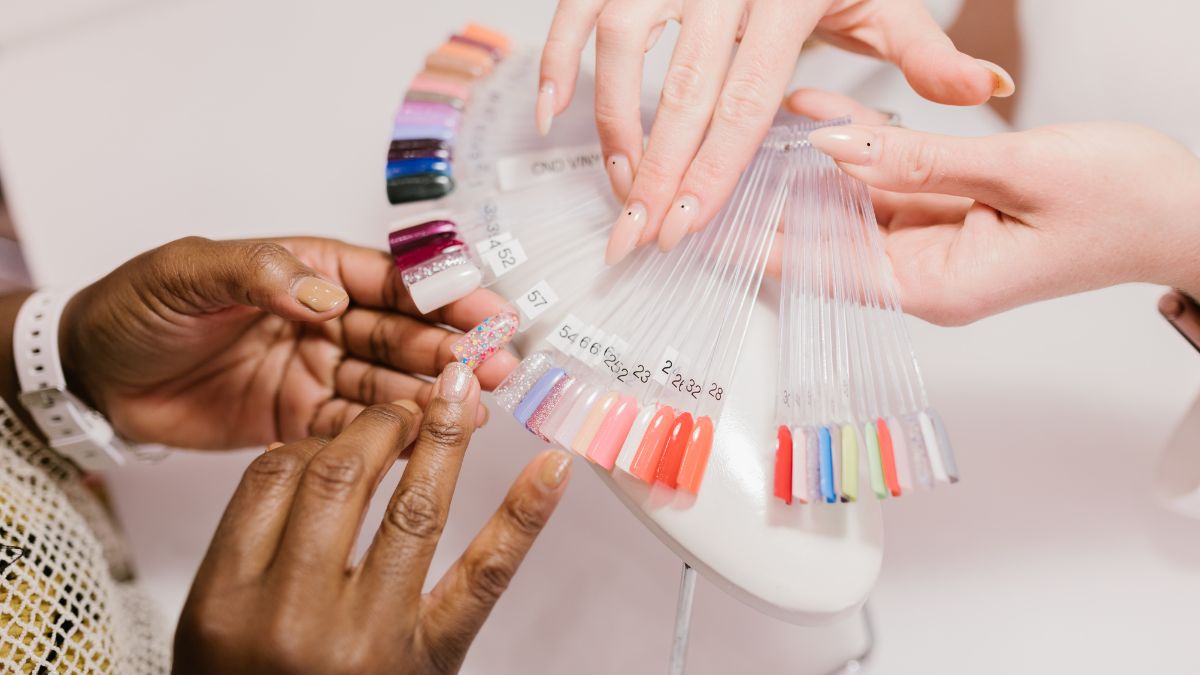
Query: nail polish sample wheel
801	564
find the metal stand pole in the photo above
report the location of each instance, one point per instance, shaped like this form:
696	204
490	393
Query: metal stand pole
683	620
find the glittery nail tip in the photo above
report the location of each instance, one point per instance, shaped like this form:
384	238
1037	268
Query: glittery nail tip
548	405
477	344
517	384
445	261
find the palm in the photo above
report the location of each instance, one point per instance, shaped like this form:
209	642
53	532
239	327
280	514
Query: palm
239	376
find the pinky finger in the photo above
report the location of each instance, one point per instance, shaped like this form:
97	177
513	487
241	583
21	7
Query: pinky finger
460	603
573	22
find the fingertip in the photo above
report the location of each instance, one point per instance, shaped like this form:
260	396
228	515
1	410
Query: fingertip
554	470
321	296
1002	83
939	72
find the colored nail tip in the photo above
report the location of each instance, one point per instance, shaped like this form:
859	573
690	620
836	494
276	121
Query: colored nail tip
634	438
536	394
783	464
405	238
610	436
672	456
514	387
320	295
494	53
591	425
424	96
576	416
645	462
419	187
420	165
1003	85
547	406
487	338
443	287
695	456
478	31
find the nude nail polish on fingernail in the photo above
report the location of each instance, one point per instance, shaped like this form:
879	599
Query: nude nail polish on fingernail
1002	83
274	445
319	295
626	233
555	469
544	108
851	144
619	174
679	222
455	381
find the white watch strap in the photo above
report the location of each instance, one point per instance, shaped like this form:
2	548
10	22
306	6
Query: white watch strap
73	429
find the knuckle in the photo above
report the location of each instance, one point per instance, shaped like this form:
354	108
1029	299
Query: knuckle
707	171
385	415
267	257
683	87
273	470
920	164
613	26
489	574
655	172
445	433
743	100
334	476
283	646
525	514
416	511
206	625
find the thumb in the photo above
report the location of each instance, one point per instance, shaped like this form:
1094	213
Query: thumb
902	160
932	64
197	275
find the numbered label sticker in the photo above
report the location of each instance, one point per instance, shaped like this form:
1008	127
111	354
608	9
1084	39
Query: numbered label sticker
505	258
566	334
667	365
537	300
483	246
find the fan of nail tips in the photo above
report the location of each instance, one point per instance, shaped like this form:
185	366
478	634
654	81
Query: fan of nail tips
636	381
849	387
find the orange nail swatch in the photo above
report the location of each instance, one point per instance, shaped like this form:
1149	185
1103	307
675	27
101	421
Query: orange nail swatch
612	432
888	457
783	464
649	452
672	456
695	458
488	36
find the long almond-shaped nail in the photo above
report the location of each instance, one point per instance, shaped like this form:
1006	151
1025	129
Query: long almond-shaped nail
672	456
555	468
612	432
1002	83
695	457
489	337
626	233
591	424
620	174
544	108
319	295
455	381
649	452
678	223
852	144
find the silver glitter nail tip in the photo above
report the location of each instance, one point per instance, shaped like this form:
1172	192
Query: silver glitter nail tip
441	262
517	384
918	454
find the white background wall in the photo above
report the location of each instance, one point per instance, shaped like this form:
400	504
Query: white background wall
126	123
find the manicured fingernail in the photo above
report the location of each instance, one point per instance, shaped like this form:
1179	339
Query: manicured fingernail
626	233
441	280
555	468
851	143
619	174
544	109
678	223
274	445
320	295
477	344
410	406
1002	83
455	381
